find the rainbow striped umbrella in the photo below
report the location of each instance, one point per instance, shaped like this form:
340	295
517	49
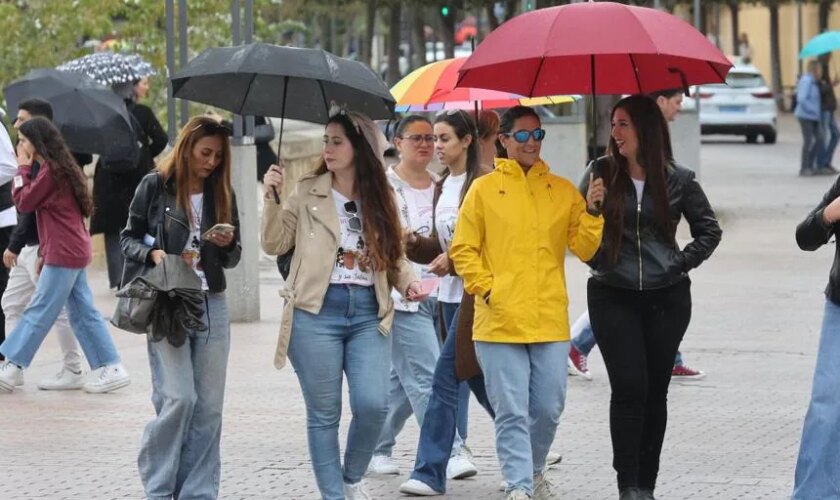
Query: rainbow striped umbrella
432	88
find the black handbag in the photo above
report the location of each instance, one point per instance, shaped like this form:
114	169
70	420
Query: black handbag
133	311
284	263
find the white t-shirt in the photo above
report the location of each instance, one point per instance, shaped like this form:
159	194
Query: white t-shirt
349	266
640	188
422	224
192	250
446	214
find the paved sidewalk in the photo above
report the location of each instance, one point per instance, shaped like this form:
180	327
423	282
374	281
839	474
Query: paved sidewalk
757	311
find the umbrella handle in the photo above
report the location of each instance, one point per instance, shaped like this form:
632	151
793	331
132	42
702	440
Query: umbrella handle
280	135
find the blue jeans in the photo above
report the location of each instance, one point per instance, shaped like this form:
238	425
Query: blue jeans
829	125
342	339
812	143
438	432
583	339
179	452
450	320
415	347
818	466
527	388
56	287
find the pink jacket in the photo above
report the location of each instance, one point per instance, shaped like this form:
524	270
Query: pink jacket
65	241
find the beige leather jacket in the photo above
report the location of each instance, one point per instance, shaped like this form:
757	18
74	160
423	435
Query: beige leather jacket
307	221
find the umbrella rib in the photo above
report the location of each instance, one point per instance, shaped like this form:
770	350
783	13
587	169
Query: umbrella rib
722	78
636	73
536	77
324	96
247	92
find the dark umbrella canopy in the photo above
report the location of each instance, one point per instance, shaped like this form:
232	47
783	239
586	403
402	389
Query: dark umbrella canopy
270	80
91	117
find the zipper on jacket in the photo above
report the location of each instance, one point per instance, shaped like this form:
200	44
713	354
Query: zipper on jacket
172	217
639	239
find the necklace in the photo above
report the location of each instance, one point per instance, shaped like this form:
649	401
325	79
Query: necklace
197	203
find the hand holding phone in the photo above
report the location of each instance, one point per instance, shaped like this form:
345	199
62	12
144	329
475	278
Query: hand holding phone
218	229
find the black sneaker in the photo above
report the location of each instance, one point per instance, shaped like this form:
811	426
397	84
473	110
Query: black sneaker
631	493
645	494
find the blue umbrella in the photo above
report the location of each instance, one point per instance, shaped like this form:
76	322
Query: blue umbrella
821	44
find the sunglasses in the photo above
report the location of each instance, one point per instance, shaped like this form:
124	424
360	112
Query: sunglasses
355	223
522	136
213	127
418	139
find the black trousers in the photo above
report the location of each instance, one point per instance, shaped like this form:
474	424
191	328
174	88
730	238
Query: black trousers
638	333
5	235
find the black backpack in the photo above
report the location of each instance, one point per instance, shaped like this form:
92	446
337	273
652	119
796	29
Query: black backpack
129	155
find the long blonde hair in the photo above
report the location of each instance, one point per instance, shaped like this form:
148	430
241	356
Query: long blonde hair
177	163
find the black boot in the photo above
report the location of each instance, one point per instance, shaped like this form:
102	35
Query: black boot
631	493
646	494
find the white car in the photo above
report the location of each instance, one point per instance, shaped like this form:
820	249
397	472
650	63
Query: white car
743	106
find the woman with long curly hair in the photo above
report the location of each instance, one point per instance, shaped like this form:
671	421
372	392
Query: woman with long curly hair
343	224
60	197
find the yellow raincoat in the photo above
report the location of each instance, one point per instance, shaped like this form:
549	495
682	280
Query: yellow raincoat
510	240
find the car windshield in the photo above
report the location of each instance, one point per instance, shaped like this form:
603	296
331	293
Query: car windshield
744	80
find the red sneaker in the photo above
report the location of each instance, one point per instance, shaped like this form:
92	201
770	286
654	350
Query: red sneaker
577	364
686	373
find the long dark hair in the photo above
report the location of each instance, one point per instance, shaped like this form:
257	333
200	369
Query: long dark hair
380	223
653	155
506	124
463	126
48	143
177	164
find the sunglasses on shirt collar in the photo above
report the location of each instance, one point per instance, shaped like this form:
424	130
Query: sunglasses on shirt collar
354	223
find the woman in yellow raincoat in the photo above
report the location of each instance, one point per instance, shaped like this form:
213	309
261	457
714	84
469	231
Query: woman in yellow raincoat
509	246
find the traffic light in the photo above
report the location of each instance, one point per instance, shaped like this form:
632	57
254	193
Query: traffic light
444	11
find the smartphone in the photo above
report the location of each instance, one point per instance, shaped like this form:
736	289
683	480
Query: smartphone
218	228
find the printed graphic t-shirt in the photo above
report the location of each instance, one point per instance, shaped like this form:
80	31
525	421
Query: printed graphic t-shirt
351	259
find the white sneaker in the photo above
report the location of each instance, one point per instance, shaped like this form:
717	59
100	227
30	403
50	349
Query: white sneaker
11	376
503	485
543	488
418	488
110	378
383	464
517	495
460	464
356	491
553	458
65	380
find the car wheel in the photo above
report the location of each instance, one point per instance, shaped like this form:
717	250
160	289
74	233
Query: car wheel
752	138
769	137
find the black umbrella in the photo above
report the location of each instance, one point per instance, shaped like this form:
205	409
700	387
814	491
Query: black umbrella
257	79
91	117
287	82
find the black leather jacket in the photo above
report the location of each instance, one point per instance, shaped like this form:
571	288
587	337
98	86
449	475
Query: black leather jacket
647	260
812	233
143	216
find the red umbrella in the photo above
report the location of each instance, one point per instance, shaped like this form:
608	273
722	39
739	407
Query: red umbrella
594	47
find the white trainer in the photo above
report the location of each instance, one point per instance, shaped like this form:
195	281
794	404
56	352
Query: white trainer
383	464
11	376
543	488
110	378
460	464
418	488
517	495
356	491
65	380
553	458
